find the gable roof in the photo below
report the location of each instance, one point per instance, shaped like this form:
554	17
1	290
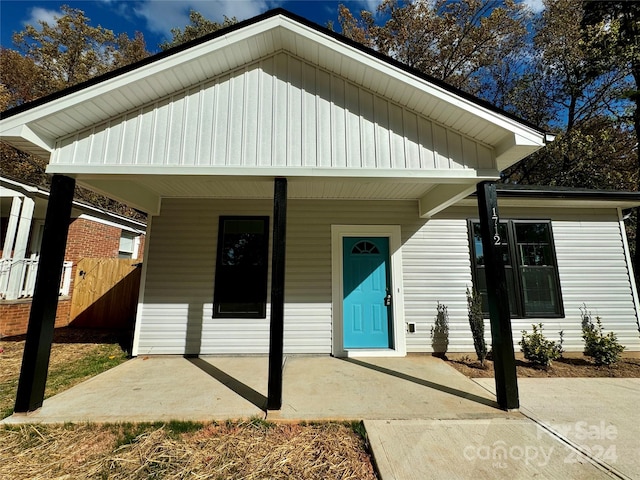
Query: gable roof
35	127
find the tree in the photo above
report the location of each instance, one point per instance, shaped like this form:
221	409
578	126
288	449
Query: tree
583	105
21	78
68	52
50	58
129	50
614	27
198	26
596	153
455	41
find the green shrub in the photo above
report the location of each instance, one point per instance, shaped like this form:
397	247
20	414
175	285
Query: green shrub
476	322
440	331
604	349
537	349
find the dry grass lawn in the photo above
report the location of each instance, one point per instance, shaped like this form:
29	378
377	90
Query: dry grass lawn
234	450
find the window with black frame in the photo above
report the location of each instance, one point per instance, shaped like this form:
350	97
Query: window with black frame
530	266
240	289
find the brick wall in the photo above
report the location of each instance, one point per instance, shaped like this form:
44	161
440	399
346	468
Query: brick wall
86	239
14	316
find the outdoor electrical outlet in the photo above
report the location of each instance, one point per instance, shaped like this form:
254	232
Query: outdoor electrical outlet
412	327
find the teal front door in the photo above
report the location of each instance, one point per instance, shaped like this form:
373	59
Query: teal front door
366	274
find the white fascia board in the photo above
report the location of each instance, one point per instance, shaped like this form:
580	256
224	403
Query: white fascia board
18	130
24	189
515	147
115	223
442	175
8	193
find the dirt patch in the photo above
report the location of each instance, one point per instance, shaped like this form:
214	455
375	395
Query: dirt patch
570	365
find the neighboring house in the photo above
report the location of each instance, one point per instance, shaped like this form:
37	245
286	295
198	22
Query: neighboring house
375	162
93	233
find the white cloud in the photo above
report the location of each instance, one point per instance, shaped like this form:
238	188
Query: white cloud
163	15
39	14
371	5
536	6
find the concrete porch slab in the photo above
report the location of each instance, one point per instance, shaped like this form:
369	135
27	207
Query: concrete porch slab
159	388
419	386
154	388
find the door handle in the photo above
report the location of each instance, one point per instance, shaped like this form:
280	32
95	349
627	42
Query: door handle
388	300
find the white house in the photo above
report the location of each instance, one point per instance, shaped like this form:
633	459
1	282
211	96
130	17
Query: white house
375	162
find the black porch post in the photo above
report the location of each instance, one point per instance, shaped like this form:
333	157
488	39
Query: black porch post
276	340
42	318
504	362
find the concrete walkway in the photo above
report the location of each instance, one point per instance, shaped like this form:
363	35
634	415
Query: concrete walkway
597	416
423	418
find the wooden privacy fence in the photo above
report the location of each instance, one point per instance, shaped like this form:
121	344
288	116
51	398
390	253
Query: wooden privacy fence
105	293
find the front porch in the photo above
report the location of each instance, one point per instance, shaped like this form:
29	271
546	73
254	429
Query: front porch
161	388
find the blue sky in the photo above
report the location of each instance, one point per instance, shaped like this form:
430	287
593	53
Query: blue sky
155	18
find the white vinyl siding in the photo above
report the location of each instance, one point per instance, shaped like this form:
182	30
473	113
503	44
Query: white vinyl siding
181	263
279	111
592	270
437	268
175	316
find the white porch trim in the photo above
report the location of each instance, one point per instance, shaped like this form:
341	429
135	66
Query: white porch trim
629	260
393	233
12	227
16	275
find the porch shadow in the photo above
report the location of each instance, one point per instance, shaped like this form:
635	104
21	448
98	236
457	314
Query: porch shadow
245	391
425	383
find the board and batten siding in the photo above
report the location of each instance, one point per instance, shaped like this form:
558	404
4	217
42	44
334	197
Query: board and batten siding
176	312
276	112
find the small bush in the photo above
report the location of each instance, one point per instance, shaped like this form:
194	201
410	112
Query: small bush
476	322
440	331
604	349
537	349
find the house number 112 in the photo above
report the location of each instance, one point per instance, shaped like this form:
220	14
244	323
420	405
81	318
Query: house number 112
496	236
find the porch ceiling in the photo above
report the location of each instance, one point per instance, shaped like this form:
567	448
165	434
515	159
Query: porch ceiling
145	192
